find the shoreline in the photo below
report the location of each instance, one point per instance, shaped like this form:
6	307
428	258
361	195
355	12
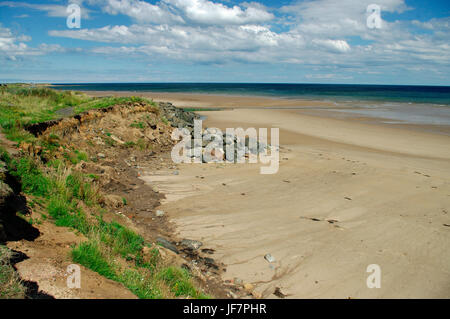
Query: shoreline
348	194
370	180
317	108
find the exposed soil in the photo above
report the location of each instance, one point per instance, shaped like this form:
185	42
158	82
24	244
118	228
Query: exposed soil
120	142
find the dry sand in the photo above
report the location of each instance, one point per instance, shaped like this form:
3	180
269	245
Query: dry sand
349	193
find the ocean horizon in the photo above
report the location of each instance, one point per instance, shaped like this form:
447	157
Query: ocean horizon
439	95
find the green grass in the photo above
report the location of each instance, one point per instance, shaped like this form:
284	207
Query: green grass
179	282
11	286
75	156
139	125
28	105
141	284
72	199
122	240
67	214
164	120
89	255
32	179
21	105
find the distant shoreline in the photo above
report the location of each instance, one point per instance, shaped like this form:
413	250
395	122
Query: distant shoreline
416	117
311	92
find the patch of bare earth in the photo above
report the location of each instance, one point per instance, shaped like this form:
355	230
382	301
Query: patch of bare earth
119	149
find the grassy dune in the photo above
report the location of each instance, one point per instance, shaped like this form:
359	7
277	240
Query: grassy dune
70	199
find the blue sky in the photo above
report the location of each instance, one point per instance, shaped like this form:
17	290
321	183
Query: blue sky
311	41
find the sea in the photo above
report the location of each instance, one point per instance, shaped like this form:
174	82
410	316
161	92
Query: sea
395	103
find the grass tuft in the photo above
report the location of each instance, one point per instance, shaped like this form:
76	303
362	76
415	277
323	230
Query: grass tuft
11	286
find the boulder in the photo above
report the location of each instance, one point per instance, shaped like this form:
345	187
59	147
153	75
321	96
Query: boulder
5	193
269	258
191	244
114	201
166	244
3	170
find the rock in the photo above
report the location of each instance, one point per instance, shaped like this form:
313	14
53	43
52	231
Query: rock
114	201
232	295
269	258
5	192
146	250
238	281
256	295
279	293
118	140
191	244
170	258
248	287
166	244
3	170
101	155
149	254
159	213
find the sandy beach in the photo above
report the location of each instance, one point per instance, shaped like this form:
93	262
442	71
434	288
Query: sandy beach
350	192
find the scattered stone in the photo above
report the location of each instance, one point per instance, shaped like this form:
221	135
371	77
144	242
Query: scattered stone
176	173
210	262
101	155
116	139
159	213
248	287
3	170
269	258
238	281
208	251
191	244
347	198
232	295
278	293
114	201
166	244
256	295
446	225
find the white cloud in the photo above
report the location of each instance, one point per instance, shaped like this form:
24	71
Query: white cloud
53	10
327	35
12	47
335	45
186	12
208	12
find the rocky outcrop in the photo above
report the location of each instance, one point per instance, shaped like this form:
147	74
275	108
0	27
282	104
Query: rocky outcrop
177	116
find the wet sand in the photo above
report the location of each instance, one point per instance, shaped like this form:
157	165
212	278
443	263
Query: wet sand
349	192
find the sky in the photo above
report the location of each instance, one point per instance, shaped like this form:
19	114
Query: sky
263	41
